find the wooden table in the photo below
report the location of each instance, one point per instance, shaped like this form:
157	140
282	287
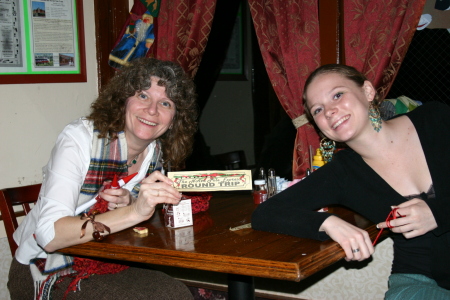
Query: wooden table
210	245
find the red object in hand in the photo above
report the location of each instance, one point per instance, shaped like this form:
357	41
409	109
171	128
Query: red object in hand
392	216
115	183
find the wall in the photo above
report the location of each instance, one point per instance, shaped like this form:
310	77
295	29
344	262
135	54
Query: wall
227	119
440	18
31	117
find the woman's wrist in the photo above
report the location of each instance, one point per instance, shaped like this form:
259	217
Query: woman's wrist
137	213
323	227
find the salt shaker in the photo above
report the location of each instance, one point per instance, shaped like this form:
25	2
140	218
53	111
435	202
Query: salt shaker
262	174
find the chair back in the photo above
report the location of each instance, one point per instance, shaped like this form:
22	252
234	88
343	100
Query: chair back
234	160
11	197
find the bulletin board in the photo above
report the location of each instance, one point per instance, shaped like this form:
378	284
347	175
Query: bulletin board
42	41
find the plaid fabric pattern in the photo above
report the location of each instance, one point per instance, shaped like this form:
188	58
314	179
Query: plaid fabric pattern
46	272
155	165
107	158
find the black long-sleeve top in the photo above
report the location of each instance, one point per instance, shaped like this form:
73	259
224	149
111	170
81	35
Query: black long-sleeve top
349	181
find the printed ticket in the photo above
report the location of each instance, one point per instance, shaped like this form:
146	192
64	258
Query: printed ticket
208	181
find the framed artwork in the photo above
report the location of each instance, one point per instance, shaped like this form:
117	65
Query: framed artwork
234	67
42	41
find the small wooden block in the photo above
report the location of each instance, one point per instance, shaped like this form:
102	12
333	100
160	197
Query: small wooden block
140	230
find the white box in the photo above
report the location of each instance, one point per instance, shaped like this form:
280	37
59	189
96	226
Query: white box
178	215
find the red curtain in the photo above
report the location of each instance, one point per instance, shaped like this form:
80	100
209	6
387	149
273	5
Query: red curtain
288	36
377	36
181	32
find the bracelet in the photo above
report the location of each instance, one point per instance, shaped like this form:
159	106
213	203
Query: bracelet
98	227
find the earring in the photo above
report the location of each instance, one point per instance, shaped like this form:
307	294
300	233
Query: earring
327	147
375	117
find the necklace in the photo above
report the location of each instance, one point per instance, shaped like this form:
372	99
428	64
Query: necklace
133	162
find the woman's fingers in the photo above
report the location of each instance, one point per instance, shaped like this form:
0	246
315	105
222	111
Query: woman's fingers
159	186
413	218
153	193
157	176
160	190
112	206
355	241
359	249
116	197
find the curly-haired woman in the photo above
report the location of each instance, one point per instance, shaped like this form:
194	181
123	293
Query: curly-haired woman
142	122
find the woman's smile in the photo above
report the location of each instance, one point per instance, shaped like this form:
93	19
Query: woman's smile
146	122
340	121
149	114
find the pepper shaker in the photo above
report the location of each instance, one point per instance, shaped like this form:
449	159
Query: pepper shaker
272	183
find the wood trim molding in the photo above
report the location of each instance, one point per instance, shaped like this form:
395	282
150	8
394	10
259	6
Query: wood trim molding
331	50
110	16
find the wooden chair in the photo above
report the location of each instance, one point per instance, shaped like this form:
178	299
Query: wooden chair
234	160
10	197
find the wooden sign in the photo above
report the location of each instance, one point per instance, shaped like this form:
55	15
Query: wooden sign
206	181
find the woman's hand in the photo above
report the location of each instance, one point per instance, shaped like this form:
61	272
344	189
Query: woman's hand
355	241
155	189
116	197
416	219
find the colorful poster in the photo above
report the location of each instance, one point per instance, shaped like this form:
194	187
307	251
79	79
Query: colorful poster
38	37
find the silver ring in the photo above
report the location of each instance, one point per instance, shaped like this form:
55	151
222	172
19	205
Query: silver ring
355	250
117	205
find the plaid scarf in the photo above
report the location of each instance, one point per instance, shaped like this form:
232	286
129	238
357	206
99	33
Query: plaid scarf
107	158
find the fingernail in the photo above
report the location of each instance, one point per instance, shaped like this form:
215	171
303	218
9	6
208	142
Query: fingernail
378	227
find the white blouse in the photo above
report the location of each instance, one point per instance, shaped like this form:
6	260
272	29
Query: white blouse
63	177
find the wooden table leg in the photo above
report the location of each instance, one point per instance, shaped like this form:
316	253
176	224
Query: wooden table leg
240	287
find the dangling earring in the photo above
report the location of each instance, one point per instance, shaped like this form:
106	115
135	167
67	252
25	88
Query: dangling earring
375	117
327	147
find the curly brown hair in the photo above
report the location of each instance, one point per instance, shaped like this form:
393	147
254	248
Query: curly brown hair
108	110
343	70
